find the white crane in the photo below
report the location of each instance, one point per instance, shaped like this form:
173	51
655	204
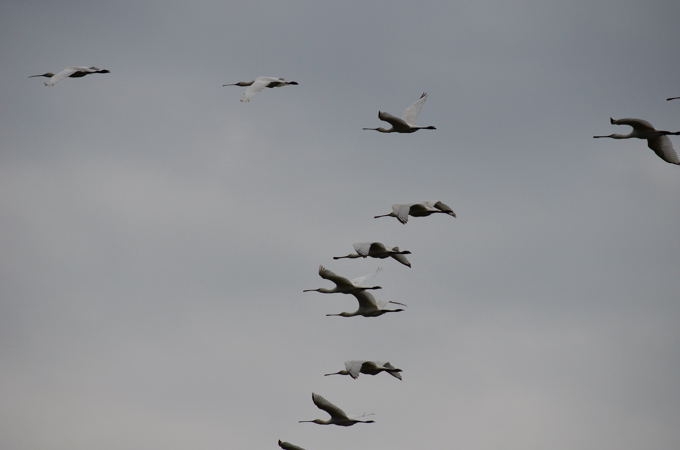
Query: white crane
259	83
420	209
407	122
338	416
344	285
657	140
69	72
288	446
672	98
377	250
354	368
369	306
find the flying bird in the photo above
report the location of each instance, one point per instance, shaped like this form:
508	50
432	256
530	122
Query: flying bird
69	72
288	446
672	98
377	250
420	209
344	285
354	368
259	83
369	306
338	416
407	122
657	140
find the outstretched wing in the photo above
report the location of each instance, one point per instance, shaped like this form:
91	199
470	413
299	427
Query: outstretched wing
377	247
331	276
445	208
259	84
359	281
288	446
401	258
401	211
663	147
67	72
395	121
327	406
353	368
638	124
410	114
366	300
362	248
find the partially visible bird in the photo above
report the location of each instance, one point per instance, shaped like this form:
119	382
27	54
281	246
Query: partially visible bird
288	446
69	72
377	250
672	98
354	368
338	416
369	306
407	122
259	83
343	285
657	140
420	209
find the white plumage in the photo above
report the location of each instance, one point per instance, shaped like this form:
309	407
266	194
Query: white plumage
407	122
355	367
338	416
419	209
657	140
69	72
258	84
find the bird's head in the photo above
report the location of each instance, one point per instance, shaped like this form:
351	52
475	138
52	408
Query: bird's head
293	83
341	372
46	75
431	127
103	71
612	120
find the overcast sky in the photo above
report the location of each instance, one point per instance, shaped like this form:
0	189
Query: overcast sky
156	233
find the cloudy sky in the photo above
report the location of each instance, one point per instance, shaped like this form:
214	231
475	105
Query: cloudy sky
156	233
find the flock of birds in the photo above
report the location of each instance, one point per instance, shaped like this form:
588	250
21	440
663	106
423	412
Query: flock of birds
368	306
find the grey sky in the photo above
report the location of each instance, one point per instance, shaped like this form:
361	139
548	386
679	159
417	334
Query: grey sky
156	233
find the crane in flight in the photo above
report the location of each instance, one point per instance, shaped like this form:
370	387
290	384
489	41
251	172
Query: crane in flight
657	140
354	368
377	250
420	209
69	72
343	285
369	306
259	83
338	416
407	122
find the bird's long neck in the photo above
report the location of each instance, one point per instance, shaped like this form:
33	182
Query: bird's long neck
384	215
351	256
616	136
46	75
344	314
322	290
342	372
317	421
430	127
380	129
240	83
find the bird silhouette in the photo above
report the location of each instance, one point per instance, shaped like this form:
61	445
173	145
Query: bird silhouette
338	416
69	72
259	83
657	140
420	209
354	368
407	122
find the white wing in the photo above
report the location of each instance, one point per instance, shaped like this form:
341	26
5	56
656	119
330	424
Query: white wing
410	114
401	211
353	368
259	84
663	147
64	74
359	281
362	248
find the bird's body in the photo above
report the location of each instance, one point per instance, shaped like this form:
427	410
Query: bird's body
407	122
420	209
69	72
657	140
288	446
258	84
343	285
369	306
338	416
354	368
377	250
